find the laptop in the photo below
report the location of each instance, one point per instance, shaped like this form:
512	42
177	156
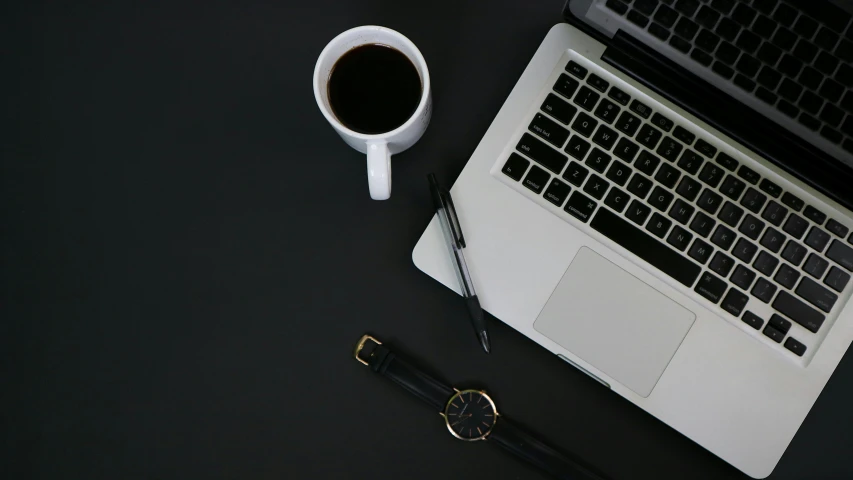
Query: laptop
665	202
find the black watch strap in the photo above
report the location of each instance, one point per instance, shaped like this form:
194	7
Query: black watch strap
524	445
387	363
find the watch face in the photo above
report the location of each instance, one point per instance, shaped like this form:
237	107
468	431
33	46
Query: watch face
470	415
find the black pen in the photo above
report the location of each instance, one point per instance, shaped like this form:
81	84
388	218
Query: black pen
455	243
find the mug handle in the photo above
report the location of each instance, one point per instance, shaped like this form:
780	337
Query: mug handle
379	170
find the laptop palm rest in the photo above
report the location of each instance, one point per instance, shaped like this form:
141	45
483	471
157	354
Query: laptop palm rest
614	321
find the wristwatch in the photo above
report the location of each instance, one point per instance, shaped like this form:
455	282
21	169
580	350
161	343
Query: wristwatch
470	415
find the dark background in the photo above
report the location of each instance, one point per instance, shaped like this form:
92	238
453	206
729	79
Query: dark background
189	254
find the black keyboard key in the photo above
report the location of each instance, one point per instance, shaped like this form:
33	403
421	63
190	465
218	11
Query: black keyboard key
788	109
810	102
640	109
832	15
836	279
805	50
831	115
616	199
845	75
765	6
619	96
723	237
577	147
792	201
847	127
727	29
727	161
730	214
586	98
707	41
711	174
844	50
817	239
752	320
772	240
753	200
687	7
744	250
558	109
658	225
607	110
705	148
815	266
646	162
764	26
810	78
841	254
790	66
769	53
817	295
646	247
536	179
794	252
700	251
785	15
638	18
605	137
743	277
649	136
795	346
566	86
667	175
549	130
744	83
619	173
798	311
707	17
720	69
686	28
646	7
766	263
779	323
787	276
627	123
775	213
575	174
748	42
722	264
681	211
784	39
576	69
814	215
826	39
617	6
684	135
690	162
557	192
709	201
596	186
770	188
541	153
831	90
710	287
515	166
639	186
598	160
833	136
626	149
749	175
679	238
660	199
764	290
584	124
769	77
826	63
837	228
743	14
773	334
732	187
669	149
662	122
688	188
598	83
701	57
795	226
734	302
580	206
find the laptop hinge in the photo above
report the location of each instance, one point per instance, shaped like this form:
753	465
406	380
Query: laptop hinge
740	122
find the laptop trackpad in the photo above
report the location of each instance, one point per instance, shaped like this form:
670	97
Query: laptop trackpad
614	321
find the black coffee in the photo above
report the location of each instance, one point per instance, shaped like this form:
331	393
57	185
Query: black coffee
374	89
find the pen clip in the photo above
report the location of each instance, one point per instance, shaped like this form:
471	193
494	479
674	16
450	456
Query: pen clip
454	220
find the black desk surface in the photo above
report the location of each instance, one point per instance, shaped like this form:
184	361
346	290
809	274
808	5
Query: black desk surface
190	254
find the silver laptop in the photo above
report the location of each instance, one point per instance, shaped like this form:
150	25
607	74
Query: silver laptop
664	214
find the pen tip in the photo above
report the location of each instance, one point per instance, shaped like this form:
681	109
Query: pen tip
484	340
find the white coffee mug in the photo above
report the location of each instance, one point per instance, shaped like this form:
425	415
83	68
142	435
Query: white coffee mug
379	147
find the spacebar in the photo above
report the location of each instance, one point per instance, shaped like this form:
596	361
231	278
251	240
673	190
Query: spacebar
645	246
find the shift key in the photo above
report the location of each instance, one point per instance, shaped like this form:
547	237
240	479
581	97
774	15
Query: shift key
541	153
817	295
798	311
841	254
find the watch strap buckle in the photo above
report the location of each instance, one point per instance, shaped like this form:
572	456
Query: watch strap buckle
360	345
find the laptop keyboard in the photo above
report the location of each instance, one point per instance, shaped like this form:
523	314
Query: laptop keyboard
795	56
630	170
